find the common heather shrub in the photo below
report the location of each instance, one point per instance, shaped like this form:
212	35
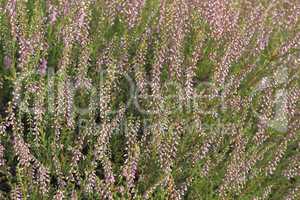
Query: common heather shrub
150	99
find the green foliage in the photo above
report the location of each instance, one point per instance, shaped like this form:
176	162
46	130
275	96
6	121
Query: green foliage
179	104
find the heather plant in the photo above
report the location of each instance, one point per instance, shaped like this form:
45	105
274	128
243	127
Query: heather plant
150	99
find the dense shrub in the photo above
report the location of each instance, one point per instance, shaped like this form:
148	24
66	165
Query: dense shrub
156	99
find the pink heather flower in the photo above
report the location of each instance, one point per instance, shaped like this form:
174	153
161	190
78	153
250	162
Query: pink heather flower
42	176
131	163
282	148
26	50
219	16
177	33
294	193
132	10
43	67
2	161
53	15
190	72
81	18
7	62
22	151
59	195
10	9
293	169
290	44
16	193
91	182
66	7
266	193
74	195
237	46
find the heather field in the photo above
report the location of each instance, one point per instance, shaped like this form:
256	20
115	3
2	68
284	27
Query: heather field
149	99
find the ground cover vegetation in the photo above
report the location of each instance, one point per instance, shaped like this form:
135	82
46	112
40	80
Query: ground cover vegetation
150	99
